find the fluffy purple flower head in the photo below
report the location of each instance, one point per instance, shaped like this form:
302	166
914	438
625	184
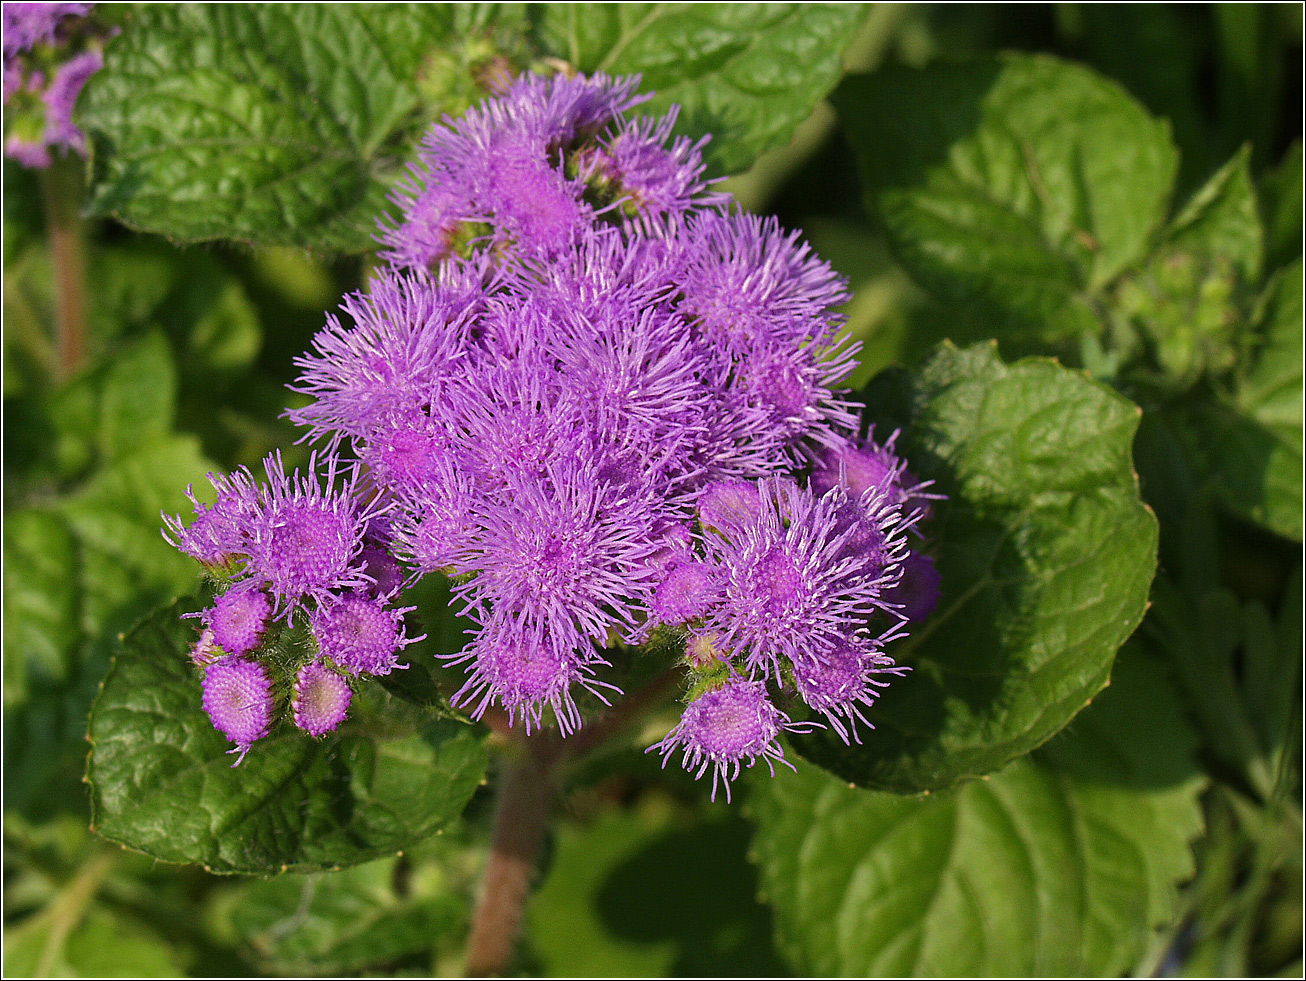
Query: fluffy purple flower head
534	206
238	698
361	634
725	727
40	116
527	673
559	109
407	338
790	589
564	555
510	420
435	531
382	568
238	618
528	174
62	95
306	534
842	682
729	506
651	178
749	283
320	699
685	593
404	456
218	536
873	466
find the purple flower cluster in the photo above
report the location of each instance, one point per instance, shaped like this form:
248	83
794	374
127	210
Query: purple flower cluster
49	53
608	408
305	593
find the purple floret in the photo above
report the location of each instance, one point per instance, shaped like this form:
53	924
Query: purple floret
528	174
382	568
320	699
29	24
218	536
563	554
238	618
685	593
40	127
402	343
751	283
62	95
869	465
790	590
306	534
360	634
724	728
524	672
917	593
844	681
238	698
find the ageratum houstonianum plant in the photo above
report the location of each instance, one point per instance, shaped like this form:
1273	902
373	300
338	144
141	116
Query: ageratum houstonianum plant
606	406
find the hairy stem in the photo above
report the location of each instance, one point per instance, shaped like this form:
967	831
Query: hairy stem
62	191
526	788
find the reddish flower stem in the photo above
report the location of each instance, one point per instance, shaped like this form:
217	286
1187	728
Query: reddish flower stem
526	789
62	191
527	786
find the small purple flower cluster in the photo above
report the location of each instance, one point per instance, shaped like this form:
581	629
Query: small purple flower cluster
608	409
49	53
305	601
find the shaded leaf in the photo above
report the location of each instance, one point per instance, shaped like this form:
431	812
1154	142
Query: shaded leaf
1255	445
748	74
1021	184
1281	200
261	123
78	571
104	945
1046	555
162	782
649	893
331	923
1061	864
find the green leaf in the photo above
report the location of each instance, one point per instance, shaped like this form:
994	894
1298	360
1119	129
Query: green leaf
261	123
1062	864
40	599
1045	551
1281	199
103	945
1021	185
1255	445
332	923
79	570
652	893
748	74
162	782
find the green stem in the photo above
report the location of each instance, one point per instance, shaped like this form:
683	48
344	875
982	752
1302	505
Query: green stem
62	191
66	912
